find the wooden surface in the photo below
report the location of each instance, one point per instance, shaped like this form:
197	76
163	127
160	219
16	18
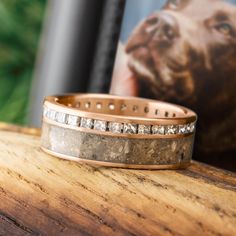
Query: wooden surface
42	195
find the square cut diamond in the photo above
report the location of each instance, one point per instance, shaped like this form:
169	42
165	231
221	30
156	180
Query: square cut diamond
52	115
73	120
86	123
171	129
130	128
158	129
61	117
45	111
191	127
183	129
100	125
115	127
144	129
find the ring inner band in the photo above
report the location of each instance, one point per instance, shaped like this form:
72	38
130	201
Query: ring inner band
134	107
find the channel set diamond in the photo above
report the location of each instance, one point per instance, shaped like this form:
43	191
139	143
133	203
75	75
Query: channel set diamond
158	129
73	120
45	112
52	115
171	129
191	127
100	125
183	129
130	128
116	127
61	117
144	129
86	123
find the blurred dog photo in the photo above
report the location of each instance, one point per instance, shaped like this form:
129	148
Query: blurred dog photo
185	52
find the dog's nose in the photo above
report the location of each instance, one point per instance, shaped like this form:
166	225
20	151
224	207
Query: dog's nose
164	28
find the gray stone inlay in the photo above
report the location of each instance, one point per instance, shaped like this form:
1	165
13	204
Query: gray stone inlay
160	151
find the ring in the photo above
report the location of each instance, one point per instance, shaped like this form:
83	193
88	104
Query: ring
118	131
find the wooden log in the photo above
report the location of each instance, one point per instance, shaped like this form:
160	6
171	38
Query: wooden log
43	195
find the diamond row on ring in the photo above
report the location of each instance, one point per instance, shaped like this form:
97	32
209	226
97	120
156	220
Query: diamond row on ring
115	127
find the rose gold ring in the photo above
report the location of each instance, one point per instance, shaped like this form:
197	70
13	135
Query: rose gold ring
118	131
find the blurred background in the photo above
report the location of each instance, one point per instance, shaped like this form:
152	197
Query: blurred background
21	23
51	47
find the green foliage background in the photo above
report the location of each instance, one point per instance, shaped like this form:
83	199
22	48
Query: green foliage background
21	22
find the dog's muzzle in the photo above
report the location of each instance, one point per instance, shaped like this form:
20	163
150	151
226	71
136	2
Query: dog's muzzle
164	29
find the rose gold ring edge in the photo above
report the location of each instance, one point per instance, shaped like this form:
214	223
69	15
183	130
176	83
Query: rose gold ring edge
117	165
52	102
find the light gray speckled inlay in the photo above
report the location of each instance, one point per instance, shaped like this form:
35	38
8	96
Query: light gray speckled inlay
116	149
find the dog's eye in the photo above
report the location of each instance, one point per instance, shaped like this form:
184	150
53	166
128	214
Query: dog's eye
224	28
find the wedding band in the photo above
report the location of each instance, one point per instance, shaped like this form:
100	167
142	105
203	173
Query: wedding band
118	131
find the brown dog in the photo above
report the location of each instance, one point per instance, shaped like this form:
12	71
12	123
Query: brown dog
186	53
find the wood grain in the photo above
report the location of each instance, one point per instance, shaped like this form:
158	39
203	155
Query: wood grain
43	195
